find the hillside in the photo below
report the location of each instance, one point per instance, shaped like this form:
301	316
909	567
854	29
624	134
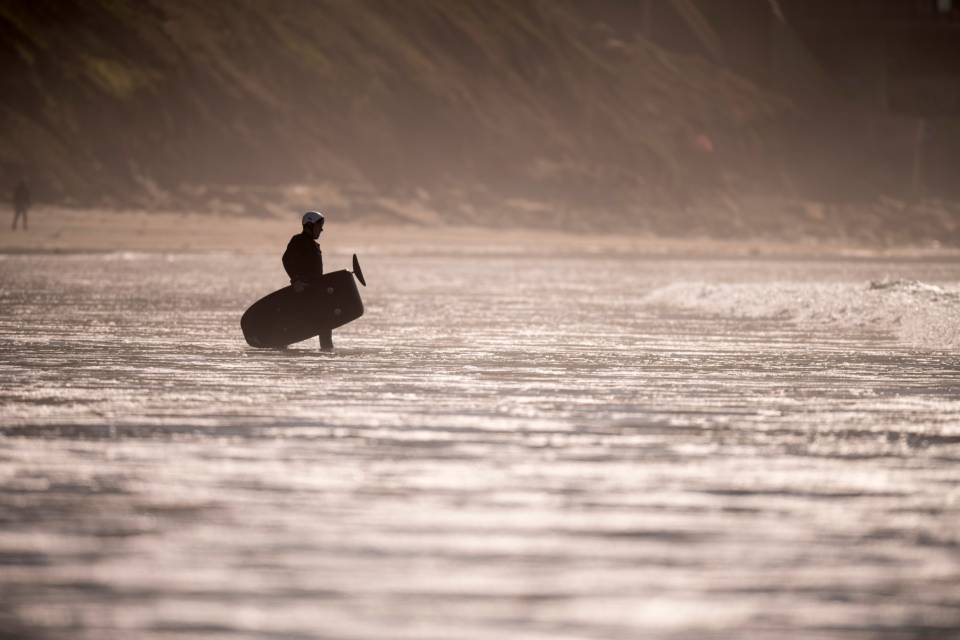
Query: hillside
419	109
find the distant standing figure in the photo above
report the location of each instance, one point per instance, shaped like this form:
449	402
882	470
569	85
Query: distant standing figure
21	203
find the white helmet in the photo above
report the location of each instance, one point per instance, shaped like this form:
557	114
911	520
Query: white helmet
313	217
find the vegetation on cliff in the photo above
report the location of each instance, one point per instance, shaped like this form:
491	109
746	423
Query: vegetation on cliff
538	104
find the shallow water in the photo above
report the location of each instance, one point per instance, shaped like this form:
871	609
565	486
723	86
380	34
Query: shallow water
502	447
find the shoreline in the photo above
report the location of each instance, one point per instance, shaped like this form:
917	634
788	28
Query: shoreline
103	231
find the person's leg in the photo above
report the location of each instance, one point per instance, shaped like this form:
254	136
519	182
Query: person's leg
16	216
326	340
25	219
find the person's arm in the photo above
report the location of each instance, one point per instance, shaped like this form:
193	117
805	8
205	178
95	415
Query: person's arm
288	261
293	261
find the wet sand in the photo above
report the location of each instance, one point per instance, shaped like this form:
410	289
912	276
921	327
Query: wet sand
66	230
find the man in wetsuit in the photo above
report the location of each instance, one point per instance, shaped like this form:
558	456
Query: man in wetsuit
21	204
303	262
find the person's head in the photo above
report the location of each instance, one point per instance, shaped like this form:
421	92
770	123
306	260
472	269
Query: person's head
313	223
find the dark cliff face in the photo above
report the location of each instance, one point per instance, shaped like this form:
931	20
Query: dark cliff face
108	101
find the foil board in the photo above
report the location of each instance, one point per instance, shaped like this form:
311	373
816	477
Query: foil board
287	316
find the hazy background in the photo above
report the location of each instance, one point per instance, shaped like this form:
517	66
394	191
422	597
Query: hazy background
743	118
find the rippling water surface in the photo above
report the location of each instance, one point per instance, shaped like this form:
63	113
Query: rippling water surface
502	447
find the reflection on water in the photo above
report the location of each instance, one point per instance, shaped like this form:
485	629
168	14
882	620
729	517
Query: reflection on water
507	447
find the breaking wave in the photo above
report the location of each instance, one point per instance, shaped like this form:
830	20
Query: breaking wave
918	314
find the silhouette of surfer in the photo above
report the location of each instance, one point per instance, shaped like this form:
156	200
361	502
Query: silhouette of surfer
303	262
21	203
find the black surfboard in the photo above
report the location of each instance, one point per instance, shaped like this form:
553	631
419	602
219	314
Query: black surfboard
286	316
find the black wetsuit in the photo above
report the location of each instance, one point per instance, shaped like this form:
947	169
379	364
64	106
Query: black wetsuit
303	259
304	263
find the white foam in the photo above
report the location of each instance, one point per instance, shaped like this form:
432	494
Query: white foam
918	314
